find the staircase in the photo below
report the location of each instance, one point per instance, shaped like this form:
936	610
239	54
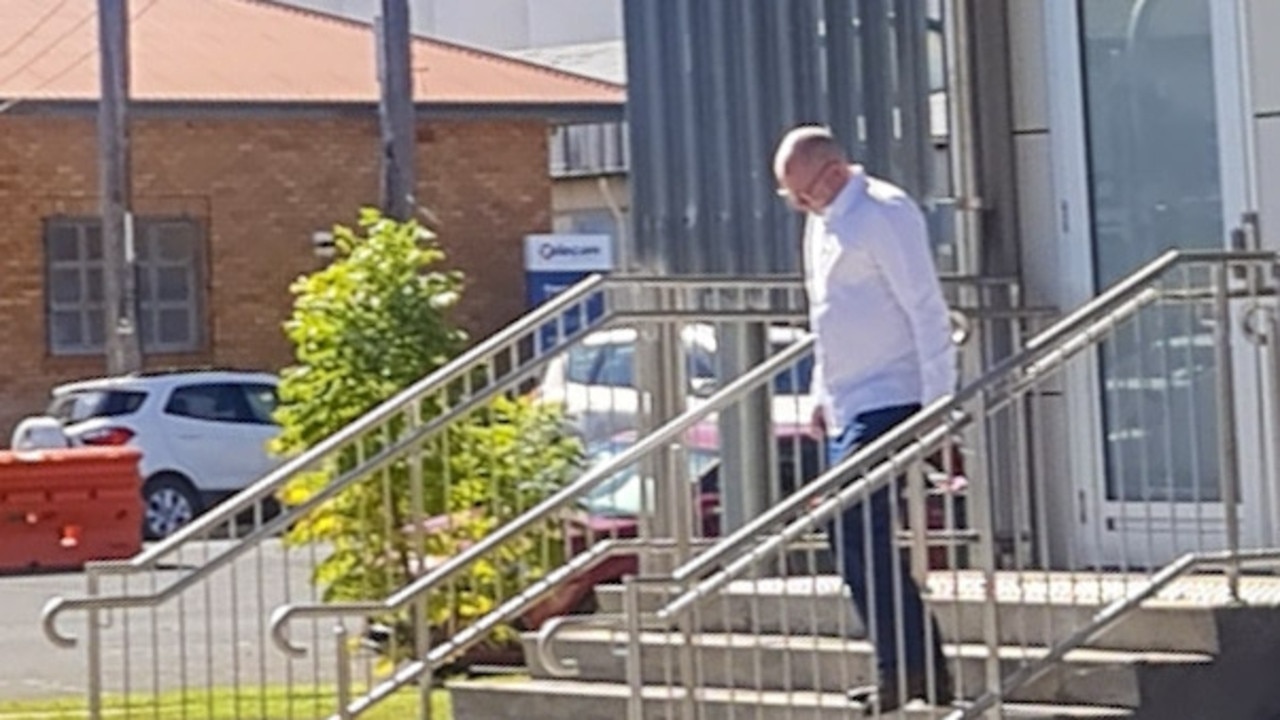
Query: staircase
790	647
742	630
751	624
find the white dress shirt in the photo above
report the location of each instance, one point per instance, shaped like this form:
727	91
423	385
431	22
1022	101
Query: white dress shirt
875	304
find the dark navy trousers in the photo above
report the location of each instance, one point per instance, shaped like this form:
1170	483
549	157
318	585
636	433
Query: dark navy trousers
865	559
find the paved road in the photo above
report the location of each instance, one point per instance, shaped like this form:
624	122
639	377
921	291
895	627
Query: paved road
223	623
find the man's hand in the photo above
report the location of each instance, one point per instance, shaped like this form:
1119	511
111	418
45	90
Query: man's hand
818	424
949	462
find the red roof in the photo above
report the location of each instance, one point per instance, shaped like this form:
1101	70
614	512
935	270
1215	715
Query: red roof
211	51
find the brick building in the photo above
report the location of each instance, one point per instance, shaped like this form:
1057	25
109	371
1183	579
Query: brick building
254	126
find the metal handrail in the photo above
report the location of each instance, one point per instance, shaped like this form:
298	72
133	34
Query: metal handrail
512	609
940	410
441	378
778	281
882	474
244	500
453	370
476	631
1107	617
920	434
548	508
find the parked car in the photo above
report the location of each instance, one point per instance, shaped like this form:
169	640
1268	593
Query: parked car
613	509
594	381
610	510
594	384
203	434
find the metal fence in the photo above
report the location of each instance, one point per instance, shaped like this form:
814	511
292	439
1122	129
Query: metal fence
482	498
758	625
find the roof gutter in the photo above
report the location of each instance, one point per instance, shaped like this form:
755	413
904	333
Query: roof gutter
552	112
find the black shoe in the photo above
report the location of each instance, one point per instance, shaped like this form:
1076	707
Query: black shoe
886	697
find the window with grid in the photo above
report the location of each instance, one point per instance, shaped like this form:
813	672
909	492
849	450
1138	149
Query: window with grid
589	149
169	287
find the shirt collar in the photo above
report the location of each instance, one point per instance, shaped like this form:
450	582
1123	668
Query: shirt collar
847	196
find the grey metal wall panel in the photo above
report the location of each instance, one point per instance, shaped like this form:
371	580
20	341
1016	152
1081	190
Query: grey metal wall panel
714	83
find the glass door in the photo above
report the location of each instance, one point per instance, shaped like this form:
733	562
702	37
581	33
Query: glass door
1161	137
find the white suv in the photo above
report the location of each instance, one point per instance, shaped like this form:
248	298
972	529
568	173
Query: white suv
593	382
203	434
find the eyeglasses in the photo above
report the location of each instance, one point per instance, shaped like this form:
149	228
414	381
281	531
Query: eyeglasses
796	200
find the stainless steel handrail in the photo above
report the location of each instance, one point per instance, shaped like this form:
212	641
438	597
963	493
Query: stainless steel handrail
1036	348
510	610
244	501
540	513
475	632
880	460
58	605
1108	616
454	370
882	474
782	281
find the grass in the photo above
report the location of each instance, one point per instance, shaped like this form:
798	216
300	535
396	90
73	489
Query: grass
224	704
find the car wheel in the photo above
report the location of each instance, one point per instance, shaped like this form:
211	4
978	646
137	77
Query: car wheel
169	502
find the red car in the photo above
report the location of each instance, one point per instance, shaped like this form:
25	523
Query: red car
613	508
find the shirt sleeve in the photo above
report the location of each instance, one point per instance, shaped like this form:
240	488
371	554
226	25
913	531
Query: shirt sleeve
900	246
817	381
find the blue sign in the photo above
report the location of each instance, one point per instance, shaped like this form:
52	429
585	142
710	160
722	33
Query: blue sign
555	263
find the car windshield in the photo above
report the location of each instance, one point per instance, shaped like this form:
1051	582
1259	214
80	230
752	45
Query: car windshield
796	379
612	364
88	404
620	494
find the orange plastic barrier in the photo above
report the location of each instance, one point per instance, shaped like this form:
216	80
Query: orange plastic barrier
62	508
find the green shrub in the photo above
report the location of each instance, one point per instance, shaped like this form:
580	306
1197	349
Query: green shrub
364	328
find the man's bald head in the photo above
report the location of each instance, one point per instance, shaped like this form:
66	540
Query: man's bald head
811	167
807	145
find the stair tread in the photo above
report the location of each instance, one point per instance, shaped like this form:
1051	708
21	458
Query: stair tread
824	643
1035	587
767	698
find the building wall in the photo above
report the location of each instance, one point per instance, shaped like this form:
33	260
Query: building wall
1032	148
574	198
1041	271
1264	91
260	187
498	24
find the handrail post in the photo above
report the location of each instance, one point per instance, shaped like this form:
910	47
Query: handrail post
1273	401
342	676
981	515
421	609
635	670
93	646
1228	460
917	520
681	505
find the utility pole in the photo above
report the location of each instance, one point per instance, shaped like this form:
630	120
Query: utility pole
395	110
119	283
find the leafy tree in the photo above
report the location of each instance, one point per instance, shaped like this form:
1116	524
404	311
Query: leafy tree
364	328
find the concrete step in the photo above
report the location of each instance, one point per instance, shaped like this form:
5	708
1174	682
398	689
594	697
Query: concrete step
821	606
833	665
540	699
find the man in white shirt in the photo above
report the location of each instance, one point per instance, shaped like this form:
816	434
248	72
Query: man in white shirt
883	350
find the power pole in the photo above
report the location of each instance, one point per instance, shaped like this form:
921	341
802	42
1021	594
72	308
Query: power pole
119	282
395	109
